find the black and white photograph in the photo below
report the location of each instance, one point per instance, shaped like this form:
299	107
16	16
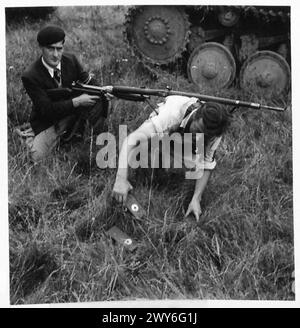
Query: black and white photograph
149	153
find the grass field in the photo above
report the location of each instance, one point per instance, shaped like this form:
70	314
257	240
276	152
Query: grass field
59	209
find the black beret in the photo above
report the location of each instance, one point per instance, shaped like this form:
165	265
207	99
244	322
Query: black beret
49	35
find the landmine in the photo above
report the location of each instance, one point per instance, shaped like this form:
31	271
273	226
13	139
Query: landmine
135	208
121	238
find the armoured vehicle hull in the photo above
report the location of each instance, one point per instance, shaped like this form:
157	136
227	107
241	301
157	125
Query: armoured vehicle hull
221	45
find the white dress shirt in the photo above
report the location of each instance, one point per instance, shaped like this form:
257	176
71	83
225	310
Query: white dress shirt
171	113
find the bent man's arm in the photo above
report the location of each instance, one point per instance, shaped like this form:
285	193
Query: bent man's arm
209	165
122	185
50	111
200	185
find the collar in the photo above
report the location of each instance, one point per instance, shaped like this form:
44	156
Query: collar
186	119
49	68
194	106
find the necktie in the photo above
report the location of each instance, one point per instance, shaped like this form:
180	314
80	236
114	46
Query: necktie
57	77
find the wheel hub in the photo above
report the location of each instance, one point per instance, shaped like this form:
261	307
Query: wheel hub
228	16
211	66
209	71
265	79
266	74
157	30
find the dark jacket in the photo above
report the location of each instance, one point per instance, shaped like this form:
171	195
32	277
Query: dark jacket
37	80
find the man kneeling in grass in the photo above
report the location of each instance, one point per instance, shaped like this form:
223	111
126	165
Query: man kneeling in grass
184	115
54	114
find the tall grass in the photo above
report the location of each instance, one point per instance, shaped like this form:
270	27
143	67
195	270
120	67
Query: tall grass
60	209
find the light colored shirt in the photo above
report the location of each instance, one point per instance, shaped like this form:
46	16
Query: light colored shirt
50	69
172	113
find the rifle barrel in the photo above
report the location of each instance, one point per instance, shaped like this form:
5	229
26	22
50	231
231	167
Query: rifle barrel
164	93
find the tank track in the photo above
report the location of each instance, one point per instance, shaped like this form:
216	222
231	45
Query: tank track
196	17
152	68
265	14
261	13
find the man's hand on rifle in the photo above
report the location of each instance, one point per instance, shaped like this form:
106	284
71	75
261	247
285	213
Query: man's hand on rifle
121	189
85	100
109	96
194	208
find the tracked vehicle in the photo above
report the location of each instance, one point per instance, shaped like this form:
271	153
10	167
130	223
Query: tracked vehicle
219	45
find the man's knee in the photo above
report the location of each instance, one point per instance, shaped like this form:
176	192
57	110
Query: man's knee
43	144
39	151
37	155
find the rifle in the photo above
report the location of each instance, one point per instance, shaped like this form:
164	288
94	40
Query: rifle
143	94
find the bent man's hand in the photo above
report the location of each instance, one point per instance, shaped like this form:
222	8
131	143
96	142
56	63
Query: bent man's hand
85	100
121	189
109	96
194	208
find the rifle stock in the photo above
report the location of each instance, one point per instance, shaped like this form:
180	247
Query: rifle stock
141	94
